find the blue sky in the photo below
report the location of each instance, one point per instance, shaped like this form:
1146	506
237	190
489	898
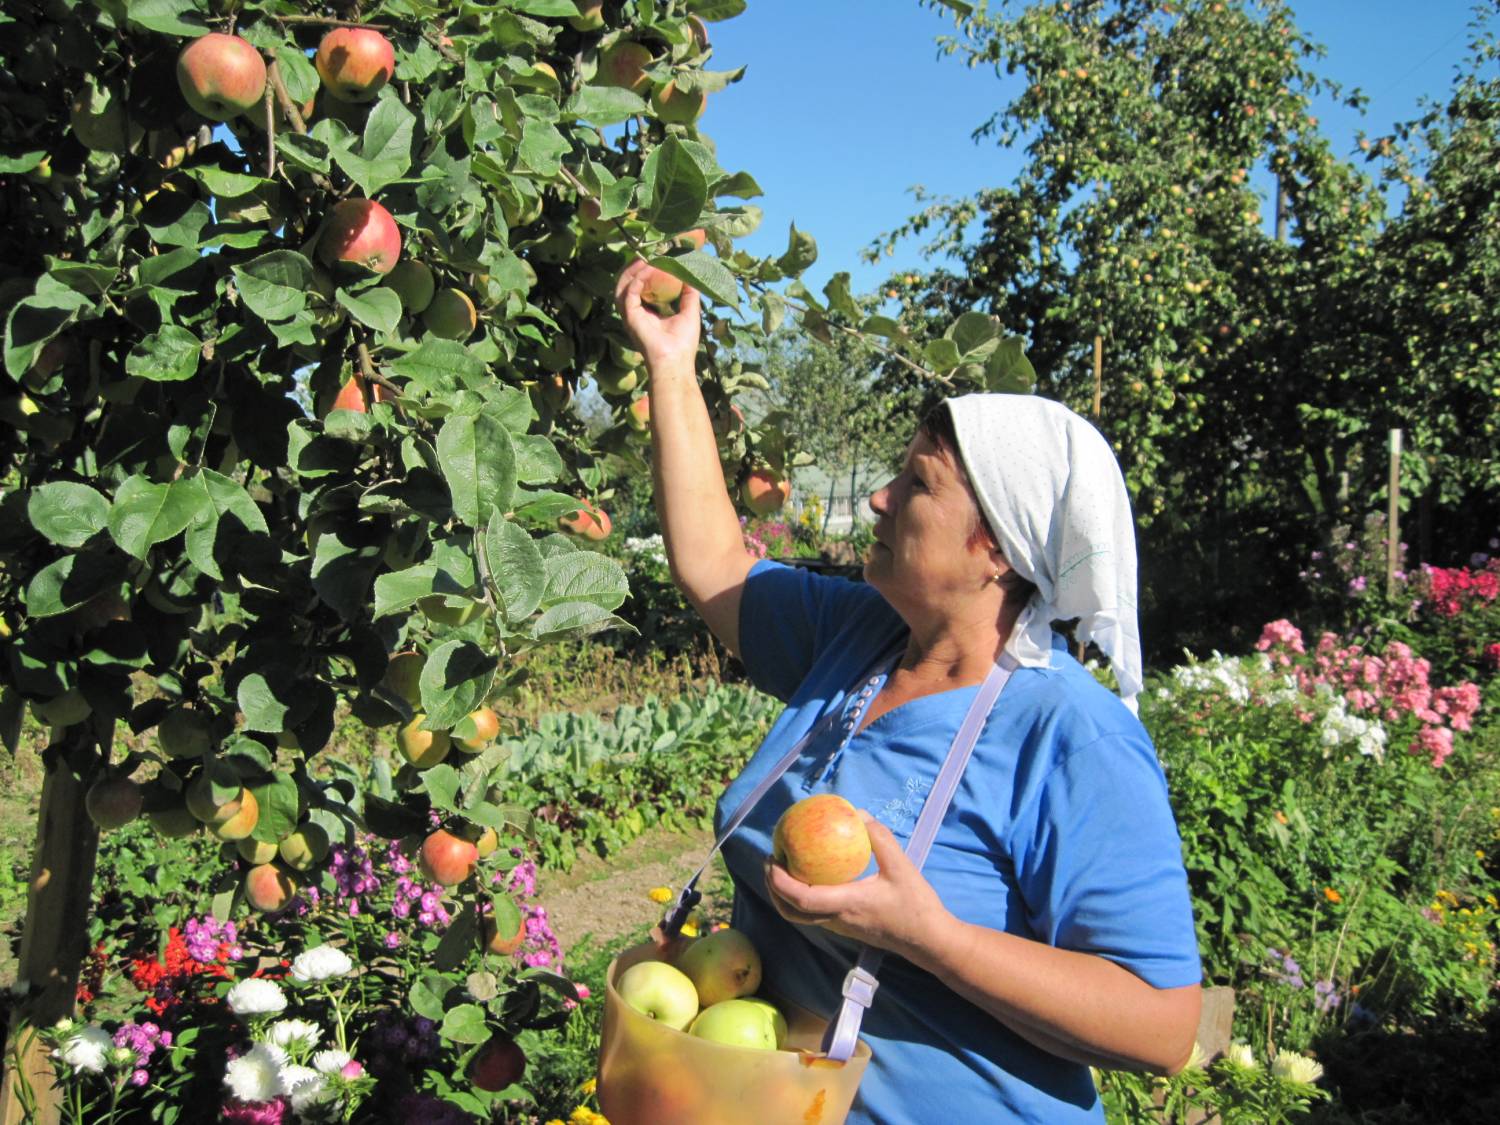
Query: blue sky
845	106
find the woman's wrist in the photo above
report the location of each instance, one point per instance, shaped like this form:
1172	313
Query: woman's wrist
671	369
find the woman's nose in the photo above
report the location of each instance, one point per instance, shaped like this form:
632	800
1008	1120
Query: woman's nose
880	498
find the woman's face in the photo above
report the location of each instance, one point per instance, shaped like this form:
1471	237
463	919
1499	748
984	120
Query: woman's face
925	518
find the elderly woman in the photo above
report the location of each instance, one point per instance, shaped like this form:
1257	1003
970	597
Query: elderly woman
1050	928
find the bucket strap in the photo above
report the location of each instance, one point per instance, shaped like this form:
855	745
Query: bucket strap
859	983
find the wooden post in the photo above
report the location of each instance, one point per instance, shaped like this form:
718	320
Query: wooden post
55	940
1098	376
1393	517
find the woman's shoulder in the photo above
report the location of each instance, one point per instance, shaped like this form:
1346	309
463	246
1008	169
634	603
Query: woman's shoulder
1064	709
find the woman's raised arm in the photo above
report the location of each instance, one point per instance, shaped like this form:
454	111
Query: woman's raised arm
702	532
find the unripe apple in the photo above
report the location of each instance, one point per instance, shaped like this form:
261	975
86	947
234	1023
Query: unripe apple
821	840
436	609
676	107
590	15
354	63
100	122
660	991
268	888
557	355
695	238
422	748
447	859
765	491
661	290
700	32
487	842
556	391
614	380
451	315
403	676
476	730
255	852
221	76
361	232
183	733
498	1064
242	823
305	848
640	414
64	709
722	965
624	65
737	1023
589	521
413	283
112	802
173	821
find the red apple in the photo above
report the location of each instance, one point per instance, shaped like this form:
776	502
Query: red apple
351	396
361	232
624	65
268	888
498	1064
821	840
221	76
508	934
589	521
640	414
476	730
661	290
765	491
354	63
447	859
113	801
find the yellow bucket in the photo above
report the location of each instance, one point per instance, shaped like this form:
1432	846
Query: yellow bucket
651	1074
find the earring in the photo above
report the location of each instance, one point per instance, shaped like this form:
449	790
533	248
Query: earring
996	576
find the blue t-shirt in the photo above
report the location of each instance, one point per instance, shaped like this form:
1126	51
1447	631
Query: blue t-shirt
1059	831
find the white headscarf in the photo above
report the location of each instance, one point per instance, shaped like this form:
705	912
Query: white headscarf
1052	492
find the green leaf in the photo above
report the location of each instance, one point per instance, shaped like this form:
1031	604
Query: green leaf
545	507
588	577
169	17
402	589
274	286
378	307
479	463
976	334
66	513
385	152
36	319
465	1023
455	680
438	366
227	185
144	514
574	619
304	152
441	783
516	567
556	9
280	808
537	459
426	995
168	356
267	699
20	165
839	298
741	185
882	326
343	564
297	73
542	148
772	311
69	582
704	273
715	10
941	355
679	188
175	221
801	252
1008	370
604	105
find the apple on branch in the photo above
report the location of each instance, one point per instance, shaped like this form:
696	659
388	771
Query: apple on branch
360	232
447	859
497	1064
354	63
221	76
589	522
765	491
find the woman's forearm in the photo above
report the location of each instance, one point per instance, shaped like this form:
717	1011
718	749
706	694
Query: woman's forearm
1075	1005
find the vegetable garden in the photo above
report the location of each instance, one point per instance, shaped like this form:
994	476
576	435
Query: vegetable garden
332	635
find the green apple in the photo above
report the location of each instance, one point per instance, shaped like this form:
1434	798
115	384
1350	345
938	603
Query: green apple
722	965
183	733
737	1023
773	1013
658	990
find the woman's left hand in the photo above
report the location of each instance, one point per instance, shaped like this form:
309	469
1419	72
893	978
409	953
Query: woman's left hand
895	909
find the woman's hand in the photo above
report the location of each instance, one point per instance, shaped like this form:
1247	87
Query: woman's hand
663	340
895	909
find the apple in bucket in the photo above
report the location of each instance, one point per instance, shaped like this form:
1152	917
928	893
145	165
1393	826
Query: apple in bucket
722	965
660	991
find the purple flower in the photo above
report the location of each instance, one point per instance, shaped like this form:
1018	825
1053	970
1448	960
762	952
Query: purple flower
273	1112
392	940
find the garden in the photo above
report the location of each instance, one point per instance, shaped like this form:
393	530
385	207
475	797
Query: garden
352	723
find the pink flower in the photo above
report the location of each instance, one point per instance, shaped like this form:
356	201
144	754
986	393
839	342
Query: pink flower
1437	741
1280	633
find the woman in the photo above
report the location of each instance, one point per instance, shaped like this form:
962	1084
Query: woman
1050	929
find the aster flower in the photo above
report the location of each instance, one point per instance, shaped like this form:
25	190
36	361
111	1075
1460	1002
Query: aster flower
256	997
256	1075
321	963
1240	1055
306	1087
331	1061
86	1048
294	1036
1293	1067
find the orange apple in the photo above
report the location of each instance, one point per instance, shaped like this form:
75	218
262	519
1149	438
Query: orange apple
354	63
476	730
268	888
765	491
661	291
589	521
360	232
422	748
447	859
640	414
675	107
821	840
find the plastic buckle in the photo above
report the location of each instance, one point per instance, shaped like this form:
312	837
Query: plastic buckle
689	898
860	986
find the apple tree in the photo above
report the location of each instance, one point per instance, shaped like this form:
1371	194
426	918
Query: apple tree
295	300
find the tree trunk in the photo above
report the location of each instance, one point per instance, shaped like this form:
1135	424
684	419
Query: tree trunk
55	939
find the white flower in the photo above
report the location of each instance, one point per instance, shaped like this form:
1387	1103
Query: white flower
294	1035
322	963
306	1087
1196	1058
256	1075
256	997
331	1062
1240	1055
86	1049
1296	1068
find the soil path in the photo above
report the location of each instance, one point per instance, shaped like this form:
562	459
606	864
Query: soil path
602	899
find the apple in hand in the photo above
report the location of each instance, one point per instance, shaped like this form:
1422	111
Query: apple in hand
221	76
354	63
660	991
821	840
737	1023
722	965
